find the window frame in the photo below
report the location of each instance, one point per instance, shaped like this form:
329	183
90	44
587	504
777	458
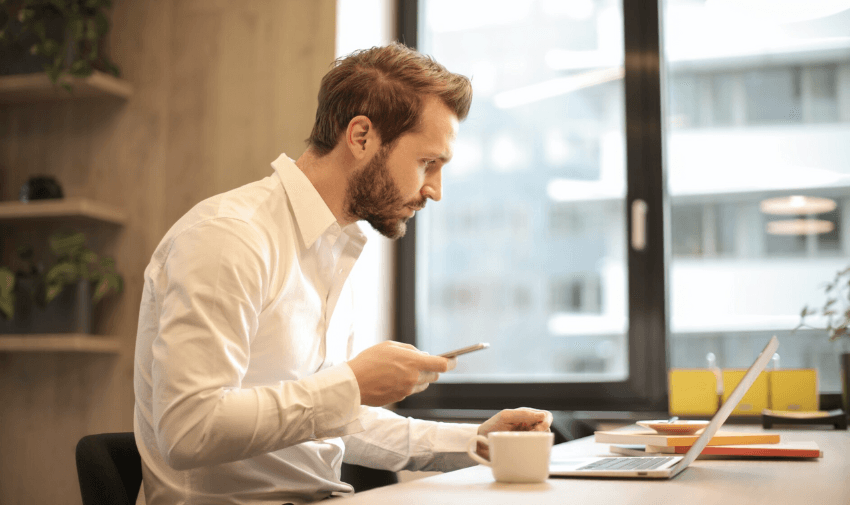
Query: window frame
646	387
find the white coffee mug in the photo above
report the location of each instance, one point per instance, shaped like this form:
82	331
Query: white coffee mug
516	456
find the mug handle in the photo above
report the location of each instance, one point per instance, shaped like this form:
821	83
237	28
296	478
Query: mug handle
472	445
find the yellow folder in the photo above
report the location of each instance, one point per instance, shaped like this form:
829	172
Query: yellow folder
693	392
754	401
794	389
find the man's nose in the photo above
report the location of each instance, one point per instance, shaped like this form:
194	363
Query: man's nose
433	187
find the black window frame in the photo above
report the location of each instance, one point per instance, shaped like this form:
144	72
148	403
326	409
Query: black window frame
646	387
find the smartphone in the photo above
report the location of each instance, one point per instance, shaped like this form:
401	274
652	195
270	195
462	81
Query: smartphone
464	350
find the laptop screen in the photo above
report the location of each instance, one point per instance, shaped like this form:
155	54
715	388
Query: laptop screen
730	404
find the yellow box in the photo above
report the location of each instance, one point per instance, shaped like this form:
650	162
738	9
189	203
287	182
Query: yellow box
692	392
754	401
794	389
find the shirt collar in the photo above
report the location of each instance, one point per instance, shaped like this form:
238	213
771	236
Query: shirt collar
312	214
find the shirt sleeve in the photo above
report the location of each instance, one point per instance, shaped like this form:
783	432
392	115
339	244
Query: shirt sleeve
214	282
393	442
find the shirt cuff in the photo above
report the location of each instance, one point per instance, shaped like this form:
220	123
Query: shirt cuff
336	402
453	437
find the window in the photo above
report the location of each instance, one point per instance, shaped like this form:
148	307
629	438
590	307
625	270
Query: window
530	249
766	120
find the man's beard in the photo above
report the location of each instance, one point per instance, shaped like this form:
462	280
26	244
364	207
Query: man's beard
373	196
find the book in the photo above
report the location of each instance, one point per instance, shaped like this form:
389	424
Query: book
650	437
781	450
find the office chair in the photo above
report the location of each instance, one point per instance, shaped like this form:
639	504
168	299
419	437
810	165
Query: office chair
109	468
364	479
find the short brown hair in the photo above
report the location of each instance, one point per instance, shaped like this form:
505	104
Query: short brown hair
386	84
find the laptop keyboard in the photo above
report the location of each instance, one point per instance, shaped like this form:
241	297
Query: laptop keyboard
626	464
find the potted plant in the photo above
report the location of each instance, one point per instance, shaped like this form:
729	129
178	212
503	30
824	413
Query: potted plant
57	36
76	262
58	299
835	313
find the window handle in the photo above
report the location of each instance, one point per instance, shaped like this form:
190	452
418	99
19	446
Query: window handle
639	209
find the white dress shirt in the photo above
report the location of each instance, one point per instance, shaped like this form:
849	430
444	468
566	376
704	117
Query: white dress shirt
242	391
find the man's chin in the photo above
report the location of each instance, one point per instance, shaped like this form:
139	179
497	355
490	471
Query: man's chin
392	229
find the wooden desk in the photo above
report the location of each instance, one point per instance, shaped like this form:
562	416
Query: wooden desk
824	481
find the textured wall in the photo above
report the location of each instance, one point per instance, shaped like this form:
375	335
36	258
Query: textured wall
221	88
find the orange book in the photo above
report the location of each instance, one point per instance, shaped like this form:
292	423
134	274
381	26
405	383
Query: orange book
650	437
781	450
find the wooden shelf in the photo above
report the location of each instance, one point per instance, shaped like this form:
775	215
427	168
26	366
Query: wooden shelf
62	208
39	88
64	342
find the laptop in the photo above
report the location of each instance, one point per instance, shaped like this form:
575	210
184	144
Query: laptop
664	467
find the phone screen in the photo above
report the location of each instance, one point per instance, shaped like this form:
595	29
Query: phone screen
465	350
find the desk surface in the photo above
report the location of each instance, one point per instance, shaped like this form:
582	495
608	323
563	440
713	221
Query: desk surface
824	481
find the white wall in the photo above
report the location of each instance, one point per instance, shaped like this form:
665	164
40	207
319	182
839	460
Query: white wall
362	24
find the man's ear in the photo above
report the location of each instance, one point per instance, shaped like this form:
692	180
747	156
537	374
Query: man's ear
361	138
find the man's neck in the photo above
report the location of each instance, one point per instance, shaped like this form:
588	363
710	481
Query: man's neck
329	175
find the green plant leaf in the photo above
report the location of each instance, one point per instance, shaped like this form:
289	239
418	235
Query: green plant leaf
67	244
78	67
52	291
40	29
77	28
100	290
91	29
102	24
7	306
62	273
7	282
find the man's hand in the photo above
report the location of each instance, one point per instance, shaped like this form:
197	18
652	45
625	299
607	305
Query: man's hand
391	371
521	419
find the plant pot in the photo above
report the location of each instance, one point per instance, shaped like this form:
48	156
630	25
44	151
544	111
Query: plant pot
845	382
16	58
70	312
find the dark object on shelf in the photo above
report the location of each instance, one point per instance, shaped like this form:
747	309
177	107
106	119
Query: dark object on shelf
837	418
41	187
70	312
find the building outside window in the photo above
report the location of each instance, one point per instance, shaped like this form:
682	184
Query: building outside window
529	248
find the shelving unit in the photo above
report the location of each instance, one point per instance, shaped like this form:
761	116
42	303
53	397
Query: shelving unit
62	208
39	88
62	342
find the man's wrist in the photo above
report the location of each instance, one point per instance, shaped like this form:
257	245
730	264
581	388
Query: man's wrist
336	398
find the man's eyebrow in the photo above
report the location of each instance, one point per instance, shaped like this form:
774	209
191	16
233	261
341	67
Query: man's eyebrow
444	156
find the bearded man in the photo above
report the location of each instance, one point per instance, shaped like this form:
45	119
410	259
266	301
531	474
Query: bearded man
245	391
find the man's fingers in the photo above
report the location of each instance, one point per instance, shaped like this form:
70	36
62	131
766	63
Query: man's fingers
420	387
427	377
452	364
523	415
433	363
394	343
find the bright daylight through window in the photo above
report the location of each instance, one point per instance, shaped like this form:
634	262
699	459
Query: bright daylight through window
528	248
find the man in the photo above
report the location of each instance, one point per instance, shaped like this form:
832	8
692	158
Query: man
245	392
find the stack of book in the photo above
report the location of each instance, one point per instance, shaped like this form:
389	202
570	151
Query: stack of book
724	443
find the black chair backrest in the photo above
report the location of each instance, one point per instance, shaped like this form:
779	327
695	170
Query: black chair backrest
109	468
